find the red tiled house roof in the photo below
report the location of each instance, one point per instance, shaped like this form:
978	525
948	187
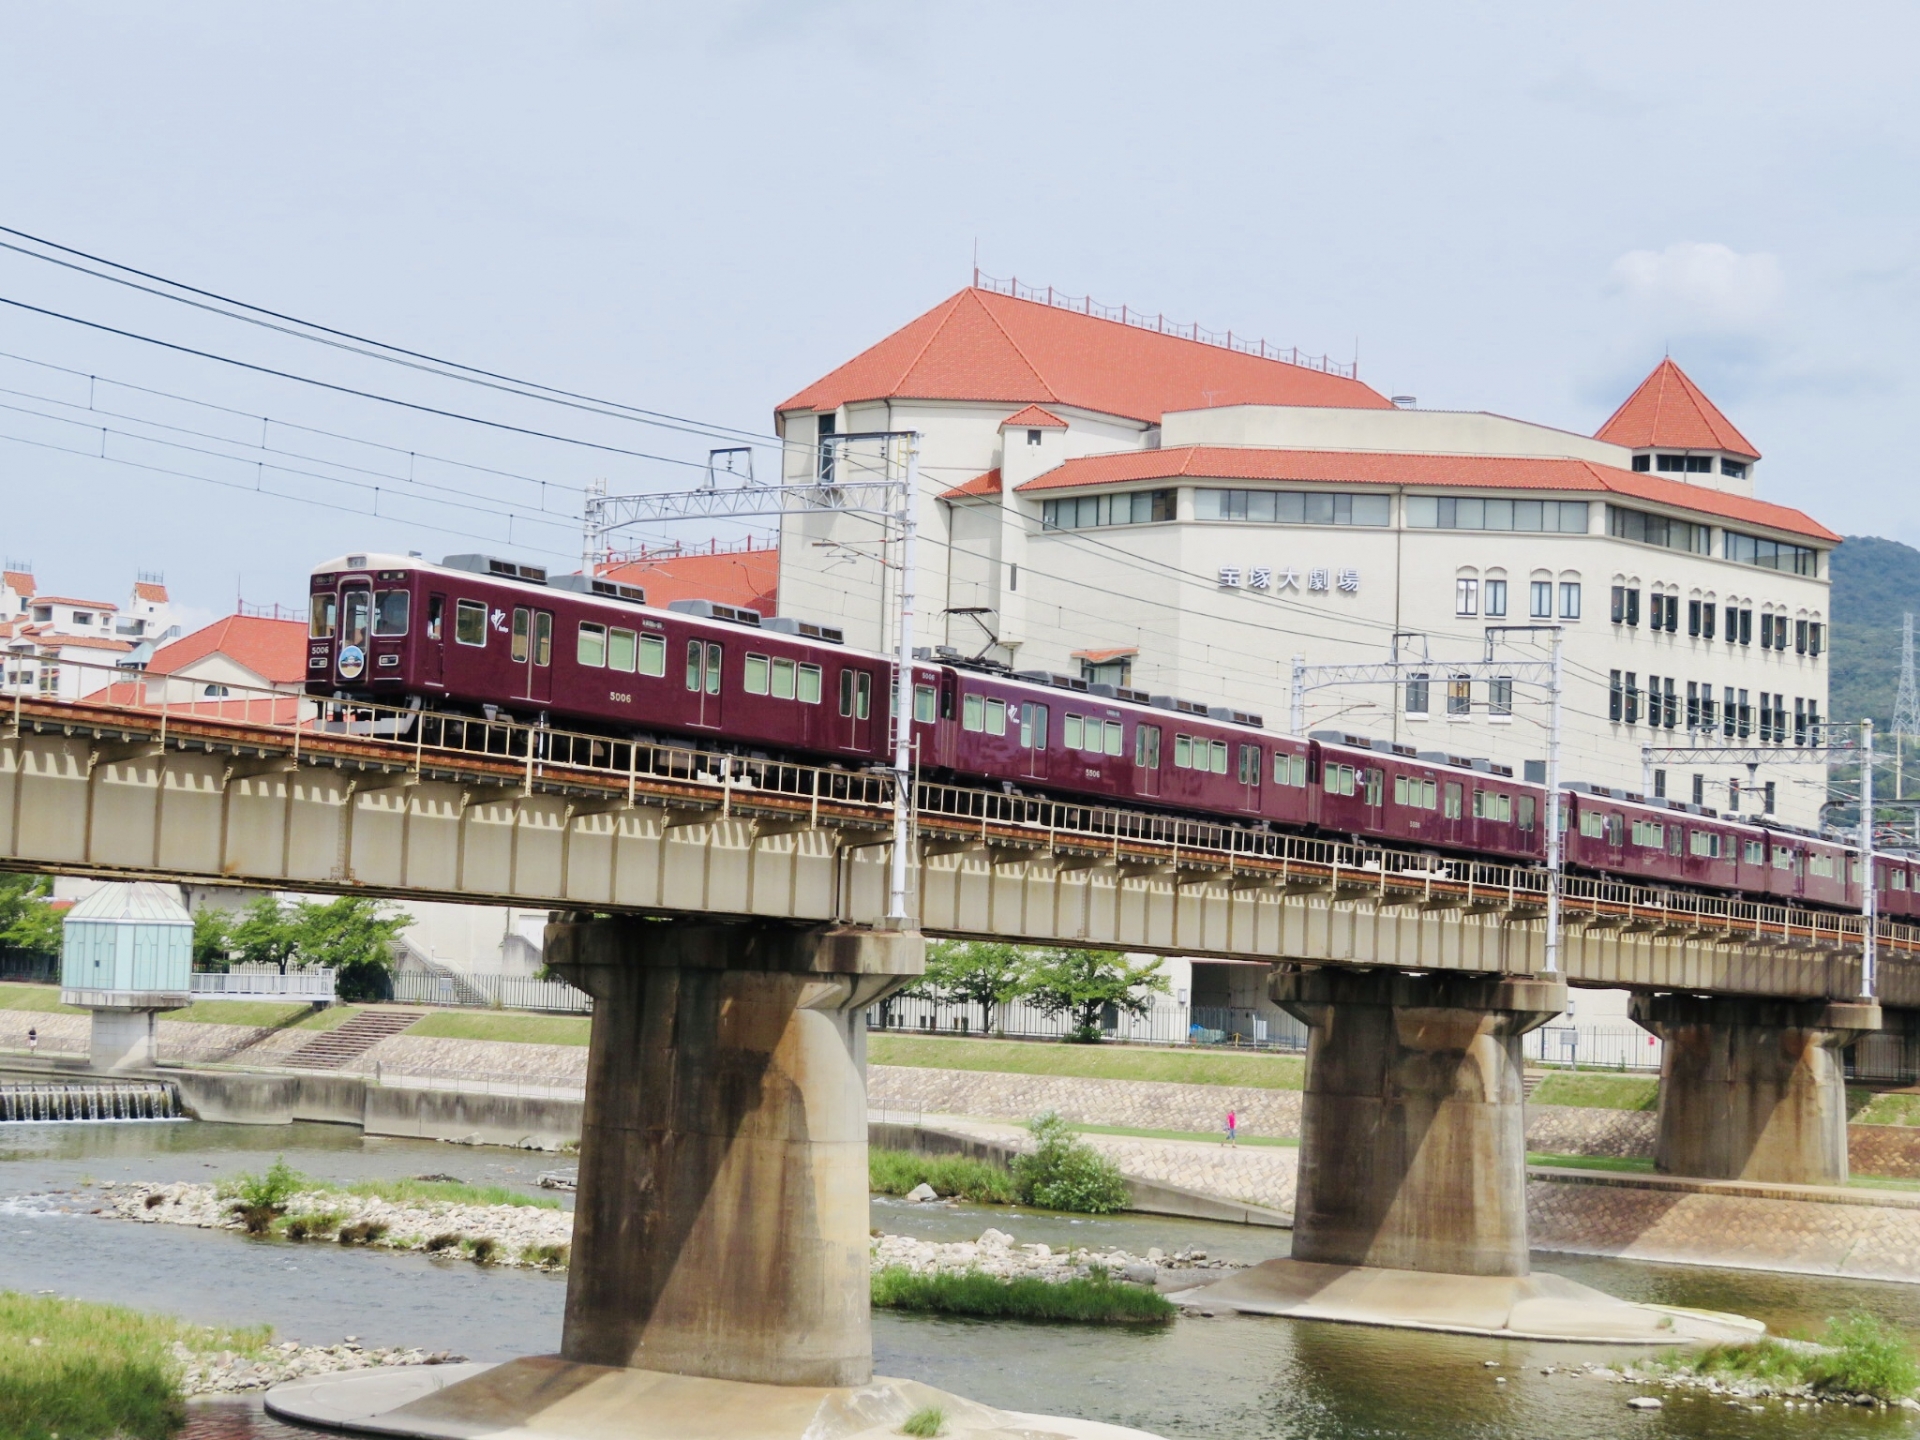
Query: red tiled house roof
1034	417
982	346
749	578
1485	472
987	484
1669	409
275	650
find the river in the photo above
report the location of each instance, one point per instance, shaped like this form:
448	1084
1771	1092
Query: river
1238	1378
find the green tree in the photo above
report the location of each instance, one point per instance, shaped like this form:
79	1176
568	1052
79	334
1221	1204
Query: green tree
977	972
27	921
263	934
1082	983
353	935
212	939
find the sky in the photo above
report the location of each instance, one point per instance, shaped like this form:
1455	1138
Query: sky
697	209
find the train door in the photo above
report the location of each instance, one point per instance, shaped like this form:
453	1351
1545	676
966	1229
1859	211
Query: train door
532	651
1033	740
356	620
1146	760
432	652
1248	775
856	709
1376	797
704	661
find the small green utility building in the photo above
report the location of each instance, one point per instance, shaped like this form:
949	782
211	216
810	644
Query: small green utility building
127	955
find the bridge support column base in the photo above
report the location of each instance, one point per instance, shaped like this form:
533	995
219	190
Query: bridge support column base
1412	1130
721	1222
123	1040
1753	1089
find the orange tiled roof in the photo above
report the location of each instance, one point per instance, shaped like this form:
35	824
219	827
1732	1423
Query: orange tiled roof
987	484
1099	656
982	346
1478	472
749	578
18	581
275	650
147	590
69	600
1669	409
1033	417
281	709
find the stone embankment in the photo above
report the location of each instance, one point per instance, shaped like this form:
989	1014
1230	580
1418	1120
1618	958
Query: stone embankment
996	1253
224	1372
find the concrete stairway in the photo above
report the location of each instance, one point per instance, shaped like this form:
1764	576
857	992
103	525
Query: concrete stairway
331	1049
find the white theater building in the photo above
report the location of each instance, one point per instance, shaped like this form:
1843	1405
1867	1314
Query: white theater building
1185	518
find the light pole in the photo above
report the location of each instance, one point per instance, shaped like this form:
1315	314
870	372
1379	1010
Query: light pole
897	917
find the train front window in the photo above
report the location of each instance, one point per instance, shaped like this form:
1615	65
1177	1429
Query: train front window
470	622
713	669
522	635
436	615
923	705
354	606
543	638
390	609
325	609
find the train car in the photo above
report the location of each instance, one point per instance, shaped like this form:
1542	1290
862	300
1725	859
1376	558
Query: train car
1894	895
1397	795
1618	833
1812	870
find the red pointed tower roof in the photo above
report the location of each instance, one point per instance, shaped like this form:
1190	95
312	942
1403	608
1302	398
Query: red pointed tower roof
1669	409
984	346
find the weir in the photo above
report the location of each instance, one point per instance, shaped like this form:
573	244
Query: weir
36	1103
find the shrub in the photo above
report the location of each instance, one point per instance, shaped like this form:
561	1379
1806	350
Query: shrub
1066	1173
1096	1300
364	1232
895	1172
924	1423
447	1240
480	1249
314	1222
1867	1357
259	1200
155	1200
550	1256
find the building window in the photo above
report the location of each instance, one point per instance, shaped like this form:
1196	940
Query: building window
1693	618
1767	799
1707	611
1652	836
1464	512
1087	512
1800	637
1459	695
1569	599
1117	671
1814	636
1417	695
1685	464
1770	554
1728	712
1466	596
1292	507
1033	437
1497	599
1650	529
1616	696
1746	717
1737	469
1672	705
1633	699
1643	463
1500	697
1540	599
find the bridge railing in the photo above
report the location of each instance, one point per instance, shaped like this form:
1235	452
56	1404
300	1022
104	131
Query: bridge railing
503	992
314	983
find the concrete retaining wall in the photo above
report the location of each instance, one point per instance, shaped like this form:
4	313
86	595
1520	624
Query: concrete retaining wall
239	1098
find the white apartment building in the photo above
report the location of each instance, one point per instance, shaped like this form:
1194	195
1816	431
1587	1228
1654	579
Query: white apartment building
56	644
1186	518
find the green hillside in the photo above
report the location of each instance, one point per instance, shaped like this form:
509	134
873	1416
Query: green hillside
1875	582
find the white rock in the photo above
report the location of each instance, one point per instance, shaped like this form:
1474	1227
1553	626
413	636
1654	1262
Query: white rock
1643	1402
995	1239
922	1193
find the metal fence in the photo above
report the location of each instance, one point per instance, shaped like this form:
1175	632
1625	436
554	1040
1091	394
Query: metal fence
1593	1047
1886	1057
31	965
1162	1025
315	983
500	992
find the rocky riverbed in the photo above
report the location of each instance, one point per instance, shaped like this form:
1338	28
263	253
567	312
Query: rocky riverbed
998	1253
225	1372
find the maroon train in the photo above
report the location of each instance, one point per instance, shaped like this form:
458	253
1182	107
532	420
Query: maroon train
478	635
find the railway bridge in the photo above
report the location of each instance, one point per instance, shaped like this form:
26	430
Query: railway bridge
728	914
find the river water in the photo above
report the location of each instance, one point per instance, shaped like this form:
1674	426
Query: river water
1240	1378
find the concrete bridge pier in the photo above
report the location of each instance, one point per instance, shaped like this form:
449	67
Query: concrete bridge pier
721	1219
1413	1131
1753	1089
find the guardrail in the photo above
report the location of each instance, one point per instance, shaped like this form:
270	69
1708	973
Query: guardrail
502	992
315	983
1597	1047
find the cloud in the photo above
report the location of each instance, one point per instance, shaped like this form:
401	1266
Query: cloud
1698	288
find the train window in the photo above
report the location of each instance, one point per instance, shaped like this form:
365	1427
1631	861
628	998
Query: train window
620	648
783	679
756	675
1489	805
973	714
1338	779
809	685
325	607
1073	732
1899	879
1526	812
522	634
653	655
703	667
1783	859
713	669
1649	833
1249	764
592	649
1409	790
1376	786
924	705
353	617
470	622
1616	831
1453	800
996	717
1218	755
543	638
1754	852
436	615
1146	747
1705	843
1673	839
856	694
1117	738
1183	752
1821	865
1593	825
390	608
1033	727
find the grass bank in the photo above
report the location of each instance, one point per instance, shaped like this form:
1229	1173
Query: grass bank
896	1172
455	1192
265	1014
509	1026
78	1371
1858	1355
1637	1165
1095	1301
16	995
1096	1062
1598	1091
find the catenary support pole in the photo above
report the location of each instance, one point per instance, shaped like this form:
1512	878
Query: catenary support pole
1869	909
1297	706
897	917
1553	812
